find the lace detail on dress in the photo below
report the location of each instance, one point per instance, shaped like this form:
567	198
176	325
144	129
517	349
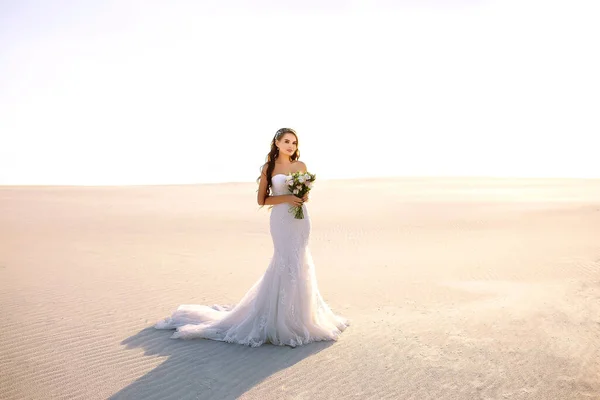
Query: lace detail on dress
275	309
262	323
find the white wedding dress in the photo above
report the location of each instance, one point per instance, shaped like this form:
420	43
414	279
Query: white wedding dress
284	307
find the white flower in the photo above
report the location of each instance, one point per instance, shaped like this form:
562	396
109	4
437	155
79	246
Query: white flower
295	191
309	184
290	183
301	179
306	177
299	187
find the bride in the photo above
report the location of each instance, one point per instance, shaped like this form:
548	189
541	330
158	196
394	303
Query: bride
284	307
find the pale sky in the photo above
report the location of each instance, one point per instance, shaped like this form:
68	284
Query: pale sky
151	92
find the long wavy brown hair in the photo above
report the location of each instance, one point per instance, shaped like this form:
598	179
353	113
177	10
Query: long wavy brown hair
274	153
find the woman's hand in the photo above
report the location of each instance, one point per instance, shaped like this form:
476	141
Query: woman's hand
293	200
305	198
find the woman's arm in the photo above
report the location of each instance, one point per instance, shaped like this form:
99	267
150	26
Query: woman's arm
262	187
284	198
302	166
303	169
263	199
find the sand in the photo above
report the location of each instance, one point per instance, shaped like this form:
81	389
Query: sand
456	289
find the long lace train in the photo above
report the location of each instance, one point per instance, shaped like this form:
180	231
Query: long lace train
284	307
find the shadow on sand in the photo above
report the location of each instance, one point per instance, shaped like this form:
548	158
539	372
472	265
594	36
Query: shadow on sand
207	369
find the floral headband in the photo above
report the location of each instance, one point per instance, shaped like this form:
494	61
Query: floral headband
283	131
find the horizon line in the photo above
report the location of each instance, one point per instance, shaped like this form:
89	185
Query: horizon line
371	178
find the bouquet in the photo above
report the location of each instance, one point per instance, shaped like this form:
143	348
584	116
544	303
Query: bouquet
299	183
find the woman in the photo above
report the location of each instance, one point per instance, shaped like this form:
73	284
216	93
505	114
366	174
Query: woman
284	307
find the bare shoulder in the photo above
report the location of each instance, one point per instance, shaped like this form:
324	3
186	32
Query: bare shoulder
263	169
300	166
